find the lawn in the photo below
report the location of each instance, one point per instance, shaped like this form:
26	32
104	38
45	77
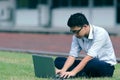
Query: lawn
19	66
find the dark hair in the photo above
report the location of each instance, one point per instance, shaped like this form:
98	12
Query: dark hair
77	19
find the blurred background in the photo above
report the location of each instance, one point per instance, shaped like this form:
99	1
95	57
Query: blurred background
52	15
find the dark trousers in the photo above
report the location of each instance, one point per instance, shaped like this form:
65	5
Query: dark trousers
94	68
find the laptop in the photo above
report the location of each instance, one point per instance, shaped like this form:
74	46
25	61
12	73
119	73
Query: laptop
44	66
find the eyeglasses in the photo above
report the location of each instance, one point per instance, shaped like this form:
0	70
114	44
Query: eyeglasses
76	31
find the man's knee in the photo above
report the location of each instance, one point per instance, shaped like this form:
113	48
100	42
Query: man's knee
59	62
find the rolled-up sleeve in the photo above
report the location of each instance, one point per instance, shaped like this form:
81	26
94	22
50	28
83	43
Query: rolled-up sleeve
75	47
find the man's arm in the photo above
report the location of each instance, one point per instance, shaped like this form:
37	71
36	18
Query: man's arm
82	64
70	60
78	68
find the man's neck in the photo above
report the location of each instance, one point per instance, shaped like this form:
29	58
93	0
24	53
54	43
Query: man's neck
87	32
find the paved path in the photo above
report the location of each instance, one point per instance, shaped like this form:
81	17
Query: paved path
44	42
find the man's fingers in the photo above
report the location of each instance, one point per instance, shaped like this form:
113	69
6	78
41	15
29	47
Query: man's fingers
65	76
58	71
68	76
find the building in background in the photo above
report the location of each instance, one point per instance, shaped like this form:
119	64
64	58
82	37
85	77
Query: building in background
55	13
7	12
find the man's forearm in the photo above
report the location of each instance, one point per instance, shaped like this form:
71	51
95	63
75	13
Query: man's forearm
82	64
70	60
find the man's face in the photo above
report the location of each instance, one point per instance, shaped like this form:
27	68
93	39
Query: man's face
78	31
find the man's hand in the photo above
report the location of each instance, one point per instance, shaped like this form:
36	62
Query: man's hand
64	74
67	74
58	71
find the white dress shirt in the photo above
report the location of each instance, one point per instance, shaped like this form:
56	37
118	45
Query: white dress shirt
98	45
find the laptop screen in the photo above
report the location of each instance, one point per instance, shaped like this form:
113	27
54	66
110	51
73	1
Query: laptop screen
43	66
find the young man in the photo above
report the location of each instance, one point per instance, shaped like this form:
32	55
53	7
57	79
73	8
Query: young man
95	41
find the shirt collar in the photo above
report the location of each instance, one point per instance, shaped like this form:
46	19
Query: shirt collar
90	36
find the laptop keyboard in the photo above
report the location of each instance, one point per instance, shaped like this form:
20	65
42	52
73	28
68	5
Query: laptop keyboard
58	77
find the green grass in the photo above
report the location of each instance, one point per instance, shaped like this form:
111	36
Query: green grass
19	66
